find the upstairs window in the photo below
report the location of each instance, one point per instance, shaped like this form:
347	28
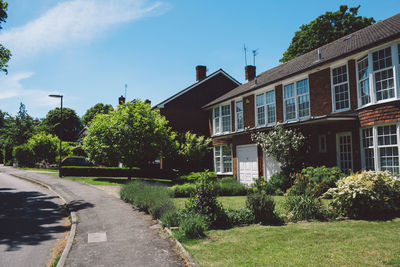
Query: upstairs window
296	100
340	89
265	108
239	115
222	119
383	74
363	81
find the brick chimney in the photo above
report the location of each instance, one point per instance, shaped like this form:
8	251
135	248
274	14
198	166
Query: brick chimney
201	72
121	100
250	72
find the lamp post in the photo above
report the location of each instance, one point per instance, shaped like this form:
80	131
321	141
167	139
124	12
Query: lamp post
61	131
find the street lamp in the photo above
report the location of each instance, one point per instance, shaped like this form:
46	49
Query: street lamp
61	131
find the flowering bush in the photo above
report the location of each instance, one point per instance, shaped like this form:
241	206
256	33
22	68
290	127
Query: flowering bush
366	194
281	144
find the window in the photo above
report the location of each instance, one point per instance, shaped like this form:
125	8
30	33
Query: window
265	111
239	115
322	143
380	148
340	88
344	151
296	101
375	75
222	119
223	159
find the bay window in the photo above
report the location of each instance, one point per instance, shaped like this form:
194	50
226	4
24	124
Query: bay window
340	86
296	100
222	119
223	159
265	108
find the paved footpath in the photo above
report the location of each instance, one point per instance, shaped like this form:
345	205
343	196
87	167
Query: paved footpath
109	231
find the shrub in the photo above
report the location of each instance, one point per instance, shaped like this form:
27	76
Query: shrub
242	216
171	218
24	155
276	185
192	227
366	194
44	146
303	207
193	177
318	180
184	190
262	206
204	202
229	186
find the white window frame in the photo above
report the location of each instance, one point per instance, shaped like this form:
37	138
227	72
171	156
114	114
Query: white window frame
265	106
338	135
322	144
339	84
236	116
221	166
371	75
376	146
296	99
220	119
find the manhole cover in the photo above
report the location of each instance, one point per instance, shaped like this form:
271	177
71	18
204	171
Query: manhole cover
97	237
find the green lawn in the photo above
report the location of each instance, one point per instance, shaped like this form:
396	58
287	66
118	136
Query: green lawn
38	169
337	243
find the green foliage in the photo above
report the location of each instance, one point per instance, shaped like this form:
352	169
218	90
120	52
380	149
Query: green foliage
193	149
152	199
5	54
263	207
303	207
366	194
24	155
44	147
192	227
194	176
239	217
281	144
229	186
99	108
316	179
134	134
276	185
184	190
171	218
67	129
204	202
325	29
7	155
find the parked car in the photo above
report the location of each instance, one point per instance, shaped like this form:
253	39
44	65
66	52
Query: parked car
76	161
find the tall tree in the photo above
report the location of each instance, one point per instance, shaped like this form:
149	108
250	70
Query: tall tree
325	29
133	134
99	108
67	129
5	54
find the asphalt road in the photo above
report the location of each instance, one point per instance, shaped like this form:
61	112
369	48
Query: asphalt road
31	220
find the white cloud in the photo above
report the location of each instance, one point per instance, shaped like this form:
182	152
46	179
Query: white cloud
75	21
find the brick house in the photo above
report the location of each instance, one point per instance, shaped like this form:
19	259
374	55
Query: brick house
183	110
344	97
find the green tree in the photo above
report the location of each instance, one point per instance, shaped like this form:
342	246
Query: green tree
99	108
134	134
5	54
44	146
325	29
71	124
193	150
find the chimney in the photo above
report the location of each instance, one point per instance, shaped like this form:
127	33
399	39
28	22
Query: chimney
200	72
121	100
250	72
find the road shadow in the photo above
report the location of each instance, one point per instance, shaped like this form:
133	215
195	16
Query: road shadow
29	217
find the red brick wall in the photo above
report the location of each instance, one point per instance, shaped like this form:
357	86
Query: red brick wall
378	114
320	93
279	103
248	111
221	141
353	84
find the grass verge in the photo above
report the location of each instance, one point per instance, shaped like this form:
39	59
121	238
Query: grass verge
114	181
336	243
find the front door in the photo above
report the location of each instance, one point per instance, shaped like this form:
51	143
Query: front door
344	150
247	163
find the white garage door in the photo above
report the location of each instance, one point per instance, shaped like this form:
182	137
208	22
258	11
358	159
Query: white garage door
247	163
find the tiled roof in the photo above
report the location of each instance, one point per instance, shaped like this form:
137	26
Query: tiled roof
370	36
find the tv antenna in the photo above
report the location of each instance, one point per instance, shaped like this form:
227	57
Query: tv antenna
126	87
245	54
255	53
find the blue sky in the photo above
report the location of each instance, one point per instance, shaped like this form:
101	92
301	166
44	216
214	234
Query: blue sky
88	50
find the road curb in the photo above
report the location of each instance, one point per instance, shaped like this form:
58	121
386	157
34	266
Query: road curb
74	219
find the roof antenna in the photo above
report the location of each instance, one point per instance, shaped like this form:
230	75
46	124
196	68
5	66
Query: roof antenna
126	87
255	53
245	54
